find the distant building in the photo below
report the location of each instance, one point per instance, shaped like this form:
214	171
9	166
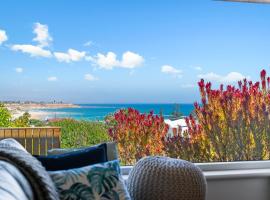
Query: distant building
54	119
176	127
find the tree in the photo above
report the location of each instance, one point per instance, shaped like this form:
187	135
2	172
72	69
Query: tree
5	116
22	121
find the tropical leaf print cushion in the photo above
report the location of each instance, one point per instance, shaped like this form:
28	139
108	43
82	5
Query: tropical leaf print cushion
100	181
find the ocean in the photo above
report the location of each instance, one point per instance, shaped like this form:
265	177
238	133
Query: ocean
95	112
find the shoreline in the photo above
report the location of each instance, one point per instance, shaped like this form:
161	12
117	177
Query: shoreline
35	109
44	111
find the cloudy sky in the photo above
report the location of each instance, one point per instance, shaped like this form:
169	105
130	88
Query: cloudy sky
128	51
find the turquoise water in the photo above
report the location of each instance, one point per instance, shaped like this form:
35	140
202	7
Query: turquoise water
99	111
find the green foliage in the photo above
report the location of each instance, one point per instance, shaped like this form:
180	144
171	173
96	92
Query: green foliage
81	133
5	116
22	121
36	123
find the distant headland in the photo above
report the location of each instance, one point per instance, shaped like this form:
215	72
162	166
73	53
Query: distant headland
17	108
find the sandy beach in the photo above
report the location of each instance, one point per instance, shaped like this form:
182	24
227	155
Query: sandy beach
35	109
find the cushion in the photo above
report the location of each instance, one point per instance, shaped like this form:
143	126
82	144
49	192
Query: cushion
13	184
10	142
25	169
111	151
74	159
99	181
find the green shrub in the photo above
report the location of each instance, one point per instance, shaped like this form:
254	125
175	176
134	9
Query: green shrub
37	123
137	135
5	116
81	133
230	124
22	121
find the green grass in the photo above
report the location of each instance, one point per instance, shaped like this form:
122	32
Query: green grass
81	133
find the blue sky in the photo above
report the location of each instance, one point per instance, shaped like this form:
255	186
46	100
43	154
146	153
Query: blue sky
128	51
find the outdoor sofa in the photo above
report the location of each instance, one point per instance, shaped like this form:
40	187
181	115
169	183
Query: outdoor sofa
25	177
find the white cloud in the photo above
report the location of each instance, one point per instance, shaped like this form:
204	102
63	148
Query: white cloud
42	35
42	38
210	76
107	61
62	57
34	51
229	78
129	60
167	69
19	70
88	43
187	85
3	36
89	58
90	77
198	68
71	55
233	77
52	78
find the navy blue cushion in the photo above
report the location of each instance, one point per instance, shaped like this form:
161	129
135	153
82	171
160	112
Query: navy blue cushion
75	159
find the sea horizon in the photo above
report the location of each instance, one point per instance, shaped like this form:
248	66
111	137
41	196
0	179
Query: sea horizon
98	111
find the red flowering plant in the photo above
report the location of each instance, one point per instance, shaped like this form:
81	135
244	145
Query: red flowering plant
230	124
137	134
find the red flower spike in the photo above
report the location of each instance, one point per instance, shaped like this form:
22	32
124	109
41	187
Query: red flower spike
263	74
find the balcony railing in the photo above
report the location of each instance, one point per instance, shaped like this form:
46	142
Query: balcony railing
37	140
